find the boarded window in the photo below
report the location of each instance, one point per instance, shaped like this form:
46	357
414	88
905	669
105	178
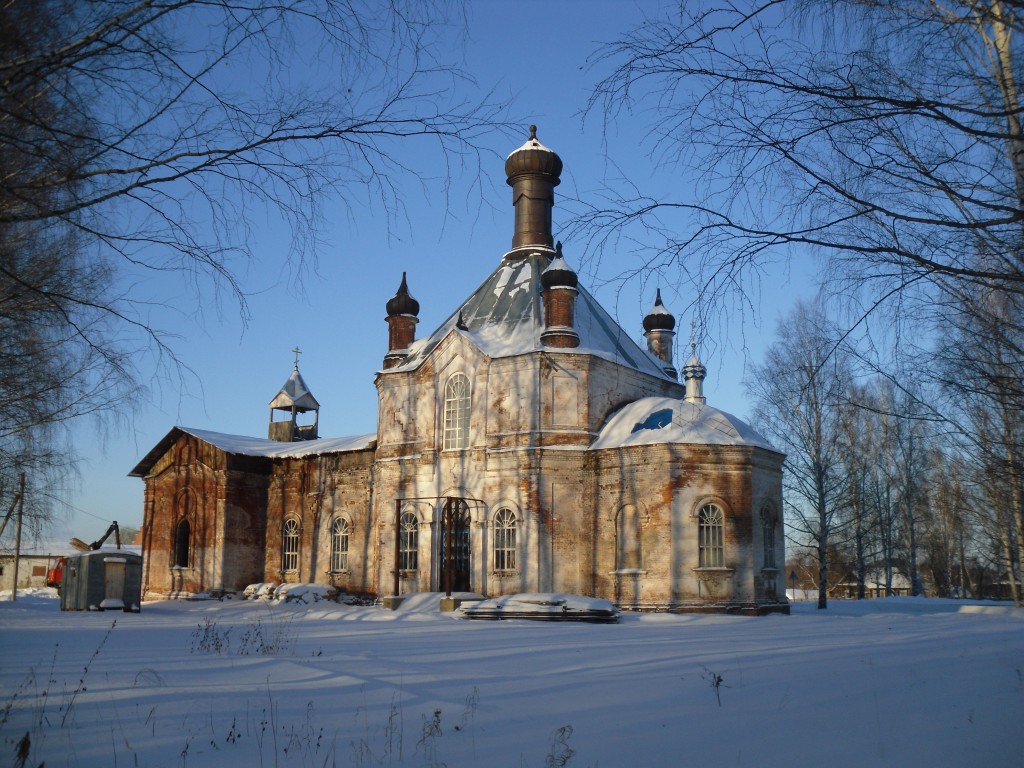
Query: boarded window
768	535
627	533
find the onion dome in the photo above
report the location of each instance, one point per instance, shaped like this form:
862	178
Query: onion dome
694	369
659	318
693	375
558	274
402	303
533	158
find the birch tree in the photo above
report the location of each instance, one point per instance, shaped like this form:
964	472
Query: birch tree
139	139
881	139
800	391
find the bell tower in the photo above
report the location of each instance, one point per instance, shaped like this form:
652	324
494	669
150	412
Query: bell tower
294	400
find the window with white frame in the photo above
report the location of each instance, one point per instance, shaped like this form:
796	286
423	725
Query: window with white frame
408	546
456	413
339	544
711	530
290	545
768	537
505	540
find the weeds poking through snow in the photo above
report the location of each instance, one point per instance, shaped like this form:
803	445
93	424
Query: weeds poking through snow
394	731
716	683
257	639
270	739
468	716
22	750
560	753
85	672
428	740
233	733
208	638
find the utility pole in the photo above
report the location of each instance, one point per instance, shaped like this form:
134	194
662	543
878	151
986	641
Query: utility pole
17	535
10	511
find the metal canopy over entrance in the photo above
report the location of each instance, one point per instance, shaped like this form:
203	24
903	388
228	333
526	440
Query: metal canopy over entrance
453	559
454	542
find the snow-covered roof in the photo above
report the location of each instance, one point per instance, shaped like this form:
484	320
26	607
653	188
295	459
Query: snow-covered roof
656	420
531	143
241	445
504	318
274	449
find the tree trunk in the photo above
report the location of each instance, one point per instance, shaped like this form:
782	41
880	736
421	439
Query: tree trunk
858	536
822	539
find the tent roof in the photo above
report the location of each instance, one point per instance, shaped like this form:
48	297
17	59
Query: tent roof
295	394
504	317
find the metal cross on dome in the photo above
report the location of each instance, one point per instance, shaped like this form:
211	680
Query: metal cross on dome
297	352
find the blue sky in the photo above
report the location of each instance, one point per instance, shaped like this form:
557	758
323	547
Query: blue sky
533	53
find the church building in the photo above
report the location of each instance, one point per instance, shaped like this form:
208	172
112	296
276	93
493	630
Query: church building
528	444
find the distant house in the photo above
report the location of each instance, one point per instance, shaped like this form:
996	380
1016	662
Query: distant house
35	561
874	586
38	559
528	444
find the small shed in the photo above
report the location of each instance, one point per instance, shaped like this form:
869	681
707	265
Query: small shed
102	580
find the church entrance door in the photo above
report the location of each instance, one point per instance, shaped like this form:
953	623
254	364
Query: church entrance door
453	552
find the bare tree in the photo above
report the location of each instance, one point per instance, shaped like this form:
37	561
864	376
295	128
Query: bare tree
140	137
881	140
979	369
882	137
857	433
800	391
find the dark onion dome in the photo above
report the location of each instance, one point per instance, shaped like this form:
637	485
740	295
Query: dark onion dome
558	274
402	303
533	158
659	318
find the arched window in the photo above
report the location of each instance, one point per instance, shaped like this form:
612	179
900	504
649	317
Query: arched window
768	537
182	539
408	547
505	540
711	532
339	544
627	535
290	545
456	413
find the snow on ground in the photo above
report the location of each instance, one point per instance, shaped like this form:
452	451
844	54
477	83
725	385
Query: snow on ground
900	682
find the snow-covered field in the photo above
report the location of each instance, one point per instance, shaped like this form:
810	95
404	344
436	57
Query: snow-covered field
902	682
